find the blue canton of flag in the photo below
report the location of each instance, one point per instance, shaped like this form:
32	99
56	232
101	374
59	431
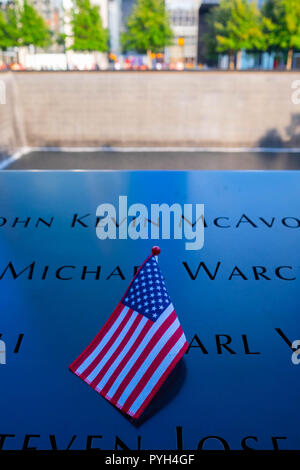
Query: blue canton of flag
148	293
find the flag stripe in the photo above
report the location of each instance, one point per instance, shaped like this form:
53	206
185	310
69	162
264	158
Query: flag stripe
79	360
150	358
127	357
161	380
130	331
119	355
103	341
139	356
142	379
128	321
107	346
137	351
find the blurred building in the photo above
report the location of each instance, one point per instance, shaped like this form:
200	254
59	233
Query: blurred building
4	3
114	24
50	11
126	7
188	22
184	23
202	55
53	14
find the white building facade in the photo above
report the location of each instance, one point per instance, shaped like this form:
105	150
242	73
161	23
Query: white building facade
184	22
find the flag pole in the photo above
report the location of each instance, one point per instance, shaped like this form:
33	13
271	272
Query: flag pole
155	252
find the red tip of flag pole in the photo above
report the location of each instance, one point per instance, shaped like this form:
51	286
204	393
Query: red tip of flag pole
155	250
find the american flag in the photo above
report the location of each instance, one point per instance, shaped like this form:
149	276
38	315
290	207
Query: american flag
138	346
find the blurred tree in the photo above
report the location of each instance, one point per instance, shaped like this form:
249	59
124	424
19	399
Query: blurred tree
148	28
12	29
4	39
60	39
88	31
33	29
9	33
282	24
217	16
236	25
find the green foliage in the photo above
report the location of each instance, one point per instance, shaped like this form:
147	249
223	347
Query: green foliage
3	32
12	29
88	31
217	16
148	27
9	33
238	25
33	29
282	23
60	39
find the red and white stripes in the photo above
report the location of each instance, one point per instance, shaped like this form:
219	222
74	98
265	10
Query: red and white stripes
131	356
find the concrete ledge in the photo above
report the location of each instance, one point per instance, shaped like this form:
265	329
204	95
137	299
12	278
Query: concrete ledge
157	109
